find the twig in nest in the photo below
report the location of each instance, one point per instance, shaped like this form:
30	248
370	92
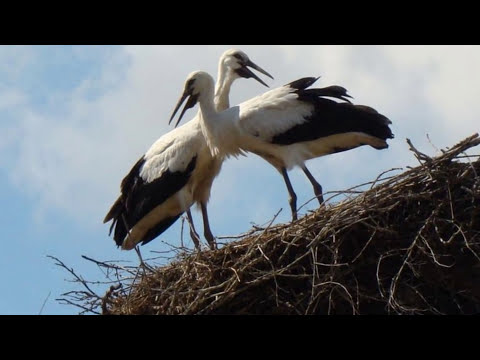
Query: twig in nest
107	296
419	155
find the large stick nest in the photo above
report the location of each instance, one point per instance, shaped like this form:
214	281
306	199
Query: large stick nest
408	245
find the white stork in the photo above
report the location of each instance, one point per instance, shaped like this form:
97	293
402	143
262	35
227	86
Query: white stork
177	171
288	125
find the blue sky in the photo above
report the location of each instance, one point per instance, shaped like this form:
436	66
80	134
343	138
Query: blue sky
74	119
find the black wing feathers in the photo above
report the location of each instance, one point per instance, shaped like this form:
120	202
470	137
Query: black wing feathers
303	83
335	91
127	184
159	229
138	198
330	117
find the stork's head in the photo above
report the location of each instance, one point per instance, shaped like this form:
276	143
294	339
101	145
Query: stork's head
236	64
196	83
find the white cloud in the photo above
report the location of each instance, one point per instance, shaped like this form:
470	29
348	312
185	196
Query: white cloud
74	160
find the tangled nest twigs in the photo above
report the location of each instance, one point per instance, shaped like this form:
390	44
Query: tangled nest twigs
408	245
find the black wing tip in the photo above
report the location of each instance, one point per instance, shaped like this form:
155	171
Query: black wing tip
390	135
108	217
119	235
383	121
388	131
381	147
115	210
334	91
302	83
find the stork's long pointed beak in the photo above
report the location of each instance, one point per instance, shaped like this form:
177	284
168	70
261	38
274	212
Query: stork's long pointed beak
258	68
192	101
179	103
246	73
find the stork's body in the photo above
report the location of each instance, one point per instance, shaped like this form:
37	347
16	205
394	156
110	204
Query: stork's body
289	125
162	186
177	171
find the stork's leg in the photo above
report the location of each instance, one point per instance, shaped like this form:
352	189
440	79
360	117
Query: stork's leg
317	188
193	233
293	197
206	227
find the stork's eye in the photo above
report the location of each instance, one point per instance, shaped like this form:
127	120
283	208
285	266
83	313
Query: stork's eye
190	83
239	57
